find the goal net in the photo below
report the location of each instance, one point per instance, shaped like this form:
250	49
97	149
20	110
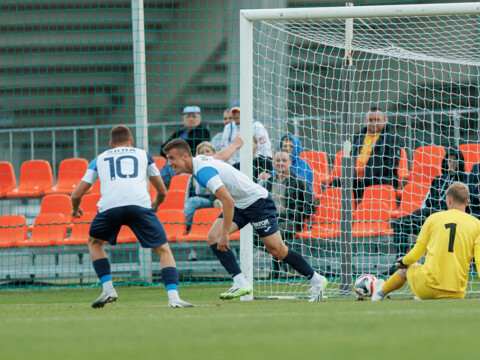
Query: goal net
374	113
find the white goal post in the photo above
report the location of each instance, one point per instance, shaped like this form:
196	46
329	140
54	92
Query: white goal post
267	35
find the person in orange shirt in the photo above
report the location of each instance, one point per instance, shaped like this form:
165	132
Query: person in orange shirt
376	152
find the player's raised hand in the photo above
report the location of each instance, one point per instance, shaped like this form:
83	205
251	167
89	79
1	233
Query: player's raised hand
77	213
223	243
399	263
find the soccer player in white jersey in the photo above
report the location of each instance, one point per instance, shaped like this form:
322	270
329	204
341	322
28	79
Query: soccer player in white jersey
124	172
243	201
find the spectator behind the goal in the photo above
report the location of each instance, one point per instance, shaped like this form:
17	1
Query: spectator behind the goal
198	198
453	169
376	152
193	133
292	196
293	146
217	139
262	166
474	187
232	129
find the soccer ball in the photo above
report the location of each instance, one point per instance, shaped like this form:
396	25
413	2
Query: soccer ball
364	285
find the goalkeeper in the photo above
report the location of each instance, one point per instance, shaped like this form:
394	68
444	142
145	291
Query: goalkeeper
451	239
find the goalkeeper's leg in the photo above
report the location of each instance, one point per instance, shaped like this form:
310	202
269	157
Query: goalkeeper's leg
381	288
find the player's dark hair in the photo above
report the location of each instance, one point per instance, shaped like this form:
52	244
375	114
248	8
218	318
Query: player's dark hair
375	109
458	192
120	134
179	144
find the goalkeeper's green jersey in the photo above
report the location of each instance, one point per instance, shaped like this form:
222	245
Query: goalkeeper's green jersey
451	239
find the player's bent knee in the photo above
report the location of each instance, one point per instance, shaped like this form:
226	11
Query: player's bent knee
94	242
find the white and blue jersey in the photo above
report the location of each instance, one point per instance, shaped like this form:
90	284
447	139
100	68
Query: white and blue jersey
123	174
211	173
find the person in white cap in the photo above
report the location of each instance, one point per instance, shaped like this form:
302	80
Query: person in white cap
233	128
193	132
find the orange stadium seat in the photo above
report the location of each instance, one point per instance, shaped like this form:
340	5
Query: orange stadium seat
13	229
48	229
427	163
95	189
7	178
35	179
413	196
326	222
372	219
203	220
89	203
70	172
318	161
80	228
331	194
57	204
126	235
175	200
471	154
174	222
160	161
385	193
179	182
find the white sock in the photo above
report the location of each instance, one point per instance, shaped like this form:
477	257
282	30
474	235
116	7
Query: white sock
240	280
173	295
316	279
107	286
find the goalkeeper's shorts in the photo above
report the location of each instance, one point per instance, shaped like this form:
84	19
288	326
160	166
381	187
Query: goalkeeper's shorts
418	284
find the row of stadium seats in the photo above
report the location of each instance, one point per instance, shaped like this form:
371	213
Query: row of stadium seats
372	215
36	178
53	229
372	218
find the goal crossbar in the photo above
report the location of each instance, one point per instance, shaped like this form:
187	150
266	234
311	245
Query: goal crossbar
361	11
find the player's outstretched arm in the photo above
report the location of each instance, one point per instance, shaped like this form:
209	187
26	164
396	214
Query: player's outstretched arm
228	152
158	184
228	206
76	198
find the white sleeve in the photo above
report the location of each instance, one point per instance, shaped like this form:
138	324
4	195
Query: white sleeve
214	183
90	176
152	170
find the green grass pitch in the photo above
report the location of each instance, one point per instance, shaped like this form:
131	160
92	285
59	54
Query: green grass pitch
59	324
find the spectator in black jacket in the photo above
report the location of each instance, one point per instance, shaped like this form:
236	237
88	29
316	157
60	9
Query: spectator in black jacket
453	169
474	187
292	196
193	133
376	153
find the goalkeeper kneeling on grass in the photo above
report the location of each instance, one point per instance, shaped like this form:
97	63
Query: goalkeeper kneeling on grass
451	239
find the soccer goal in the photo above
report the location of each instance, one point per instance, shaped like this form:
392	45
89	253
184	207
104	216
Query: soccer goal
316	74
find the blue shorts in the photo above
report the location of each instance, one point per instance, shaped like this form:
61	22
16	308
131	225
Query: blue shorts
143	222
262	214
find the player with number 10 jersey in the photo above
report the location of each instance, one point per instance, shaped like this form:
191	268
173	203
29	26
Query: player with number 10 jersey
124	173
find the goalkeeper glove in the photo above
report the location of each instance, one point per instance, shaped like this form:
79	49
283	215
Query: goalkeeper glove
399	263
